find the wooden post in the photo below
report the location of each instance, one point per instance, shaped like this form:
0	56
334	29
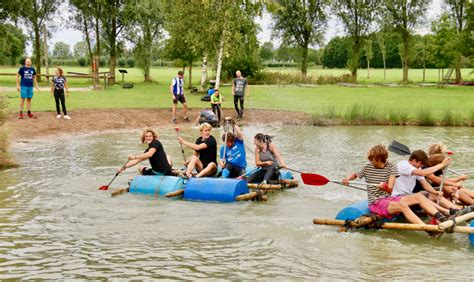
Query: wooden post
45	44
175	193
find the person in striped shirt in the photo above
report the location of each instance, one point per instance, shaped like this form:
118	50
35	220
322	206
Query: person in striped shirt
382	175
177	93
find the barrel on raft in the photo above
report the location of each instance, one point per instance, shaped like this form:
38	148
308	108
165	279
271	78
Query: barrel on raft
214	189
156	185
353	211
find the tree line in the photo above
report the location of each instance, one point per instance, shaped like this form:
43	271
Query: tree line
223	34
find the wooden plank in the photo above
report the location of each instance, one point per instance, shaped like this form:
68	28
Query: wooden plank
266	186
246	197
175	193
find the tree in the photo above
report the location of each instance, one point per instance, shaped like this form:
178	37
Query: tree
266	51
404	15
80	49
357	17
61	50
12	44
336	53
145	30
299	23
34	13
383	51
458	13
368	55
445	52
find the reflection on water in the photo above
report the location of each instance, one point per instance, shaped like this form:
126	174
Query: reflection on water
55	224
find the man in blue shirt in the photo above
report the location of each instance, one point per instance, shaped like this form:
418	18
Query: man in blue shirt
177	92
233	158
25	87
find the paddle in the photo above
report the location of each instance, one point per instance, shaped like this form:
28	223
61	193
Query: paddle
106	187
182	149
401	149
319	180
247	173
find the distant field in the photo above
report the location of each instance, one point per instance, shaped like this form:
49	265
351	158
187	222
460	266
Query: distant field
370	105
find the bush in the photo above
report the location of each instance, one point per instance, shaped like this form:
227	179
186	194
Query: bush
64	62
103	61
425	117
267	77
131	62
122	62
82	61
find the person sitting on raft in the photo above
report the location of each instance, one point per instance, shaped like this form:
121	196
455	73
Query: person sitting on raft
233	158
204	159
160	162
268	158
382	174
411	171
452	187
207	116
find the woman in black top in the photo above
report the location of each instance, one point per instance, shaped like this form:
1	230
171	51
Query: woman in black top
204	158
160	162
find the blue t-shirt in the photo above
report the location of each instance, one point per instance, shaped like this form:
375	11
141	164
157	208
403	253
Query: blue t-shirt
236	155
27	75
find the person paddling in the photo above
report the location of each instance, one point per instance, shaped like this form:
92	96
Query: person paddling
233	158
160	162
268	158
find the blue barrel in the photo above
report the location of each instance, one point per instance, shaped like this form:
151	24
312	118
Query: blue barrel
156	184
353	211
214	189
471	236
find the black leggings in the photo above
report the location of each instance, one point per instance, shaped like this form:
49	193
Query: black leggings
236	100
264	174
59	95
217	110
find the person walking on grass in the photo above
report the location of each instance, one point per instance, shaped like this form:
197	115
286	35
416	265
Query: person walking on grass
27	73
216	102
57	89
177	93
240	89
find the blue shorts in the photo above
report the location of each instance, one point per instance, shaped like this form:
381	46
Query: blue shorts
26	92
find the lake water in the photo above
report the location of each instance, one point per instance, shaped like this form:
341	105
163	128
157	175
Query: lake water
56	224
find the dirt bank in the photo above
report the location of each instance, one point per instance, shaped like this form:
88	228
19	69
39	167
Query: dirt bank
86	121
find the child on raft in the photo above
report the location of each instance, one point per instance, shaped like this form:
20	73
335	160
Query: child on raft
204	159
382	175
232	154
160	162
268	158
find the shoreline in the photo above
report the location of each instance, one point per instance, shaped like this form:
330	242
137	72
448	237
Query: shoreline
102	120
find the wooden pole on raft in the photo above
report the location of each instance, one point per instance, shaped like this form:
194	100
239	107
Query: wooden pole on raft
459	219
119	191
175	193
399	226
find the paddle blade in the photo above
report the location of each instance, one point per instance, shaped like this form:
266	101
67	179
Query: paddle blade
104	187
177	129
314	179
398	148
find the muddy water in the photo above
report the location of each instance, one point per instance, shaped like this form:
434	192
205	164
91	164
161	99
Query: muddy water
55	224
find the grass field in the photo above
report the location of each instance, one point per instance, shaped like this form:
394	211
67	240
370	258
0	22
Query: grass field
329	104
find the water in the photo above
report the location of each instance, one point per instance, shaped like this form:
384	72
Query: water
55	224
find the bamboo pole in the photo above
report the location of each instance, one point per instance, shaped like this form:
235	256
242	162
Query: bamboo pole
459	219
266	186
399	226
246	197
119	192
175	193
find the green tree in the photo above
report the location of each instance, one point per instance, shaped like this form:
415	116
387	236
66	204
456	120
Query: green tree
299	23
368	54
336	52
145	30
61	50
445	52
358	17
404	15
80	49
383	51
458	13
35	13
12	44
266	51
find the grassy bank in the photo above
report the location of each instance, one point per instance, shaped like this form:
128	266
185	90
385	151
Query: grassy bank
328	104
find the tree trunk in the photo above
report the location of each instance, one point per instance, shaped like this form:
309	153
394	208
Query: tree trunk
45	43
458	70
304	63
220	54
37	50
97	54
113	50
368	68
204	73
384	67
354	61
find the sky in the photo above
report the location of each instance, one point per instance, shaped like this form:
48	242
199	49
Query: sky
71	36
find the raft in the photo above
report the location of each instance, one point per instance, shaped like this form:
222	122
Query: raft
355	216
156	185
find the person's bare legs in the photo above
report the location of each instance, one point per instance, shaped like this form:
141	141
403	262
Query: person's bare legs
193	161
28	104
209	170
22	104
174	111
404	207
185	110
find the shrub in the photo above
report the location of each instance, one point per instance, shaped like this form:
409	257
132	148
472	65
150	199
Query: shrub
425	117
122	62
131	62
82	61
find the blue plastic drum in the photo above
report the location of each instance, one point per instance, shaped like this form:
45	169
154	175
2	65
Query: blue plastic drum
156	185
471	236
214	189
353	211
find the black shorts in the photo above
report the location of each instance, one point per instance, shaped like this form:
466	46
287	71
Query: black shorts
179	98
149	171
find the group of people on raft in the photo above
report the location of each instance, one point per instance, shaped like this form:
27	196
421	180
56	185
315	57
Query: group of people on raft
204	162
407	186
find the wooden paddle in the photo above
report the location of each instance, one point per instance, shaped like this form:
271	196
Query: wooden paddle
319	180
182	149
106	187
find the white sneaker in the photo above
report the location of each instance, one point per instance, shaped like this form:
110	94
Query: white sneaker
67	117
58	116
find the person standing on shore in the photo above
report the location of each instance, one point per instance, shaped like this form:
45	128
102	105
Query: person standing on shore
177	93
25	86
240	89
57	89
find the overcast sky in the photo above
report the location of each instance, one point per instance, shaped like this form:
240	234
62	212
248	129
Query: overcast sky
71	36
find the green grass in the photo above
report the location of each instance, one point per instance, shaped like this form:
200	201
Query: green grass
369	105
